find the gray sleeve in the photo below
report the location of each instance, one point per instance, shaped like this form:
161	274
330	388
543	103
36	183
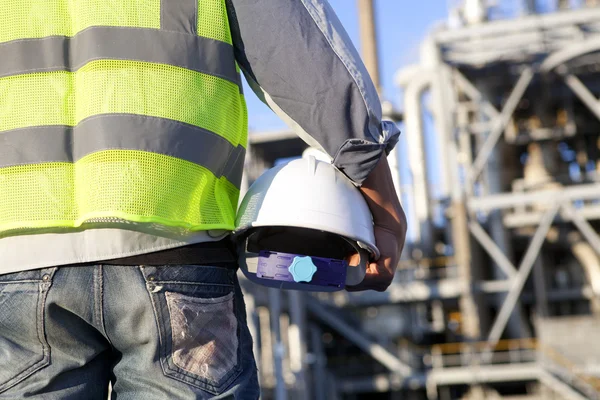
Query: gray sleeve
300	61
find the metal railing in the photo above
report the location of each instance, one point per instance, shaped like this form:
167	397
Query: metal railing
569	371
465	354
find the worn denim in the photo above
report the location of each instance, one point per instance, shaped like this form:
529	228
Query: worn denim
172	332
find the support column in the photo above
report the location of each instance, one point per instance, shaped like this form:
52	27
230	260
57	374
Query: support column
368	39
529	7
497	180
469	307
540	288
423	232
297	340
278	348
459	158
319	365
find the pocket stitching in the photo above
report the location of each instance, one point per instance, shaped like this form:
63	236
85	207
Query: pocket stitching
176	297
198	300
165	350
189	283
41	336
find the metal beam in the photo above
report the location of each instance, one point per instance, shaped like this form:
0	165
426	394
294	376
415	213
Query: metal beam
561	295
485	373
319	365
421	228
528	218
493	250
446	376
474	94
418	291
368	40
501	42
492	286
256	137
500	122
509	200
540	288
519	281
252	318
267	373
584	226
297	348
381	383
378	352
525	24
476	58
278	348
570	52
559	387
583	93
444	107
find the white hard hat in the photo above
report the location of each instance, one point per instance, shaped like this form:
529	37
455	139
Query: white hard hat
318	154
305	207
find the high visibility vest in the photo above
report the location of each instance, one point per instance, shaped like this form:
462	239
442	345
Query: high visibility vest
119	110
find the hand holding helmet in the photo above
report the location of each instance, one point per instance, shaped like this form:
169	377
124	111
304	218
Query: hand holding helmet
305	208
389	228
305	226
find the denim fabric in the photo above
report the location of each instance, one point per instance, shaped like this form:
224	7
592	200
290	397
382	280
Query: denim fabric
172	332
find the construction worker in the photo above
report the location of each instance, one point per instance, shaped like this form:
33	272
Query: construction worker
122	138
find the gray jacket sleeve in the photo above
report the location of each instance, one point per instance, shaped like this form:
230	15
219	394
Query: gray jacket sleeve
300	61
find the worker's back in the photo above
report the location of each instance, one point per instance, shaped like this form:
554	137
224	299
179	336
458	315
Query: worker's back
122	140
118	110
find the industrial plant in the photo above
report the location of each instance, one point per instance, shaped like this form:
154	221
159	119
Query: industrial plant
498	292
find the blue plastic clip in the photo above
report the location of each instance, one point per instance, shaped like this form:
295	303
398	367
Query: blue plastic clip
302	269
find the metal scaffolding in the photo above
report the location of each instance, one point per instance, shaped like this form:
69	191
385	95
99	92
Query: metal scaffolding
516	115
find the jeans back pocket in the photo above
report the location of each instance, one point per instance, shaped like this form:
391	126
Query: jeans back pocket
198	323
23	346
204	335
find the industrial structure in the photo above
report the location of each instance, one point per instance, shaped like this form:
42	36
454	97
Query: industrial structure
498	293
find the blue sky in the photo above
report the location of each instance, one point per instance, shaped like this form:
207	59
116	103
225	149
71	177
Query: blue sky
401	27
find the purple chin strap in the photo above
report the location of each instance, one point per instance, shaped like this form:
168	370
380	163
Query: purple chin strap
295	268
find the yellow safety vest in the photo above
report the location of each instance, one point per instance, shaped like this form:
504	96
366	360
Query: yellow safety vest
119	110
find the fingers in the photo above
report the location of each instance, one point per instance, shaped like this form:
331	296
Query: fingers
380	274
353	259
364	285
377	278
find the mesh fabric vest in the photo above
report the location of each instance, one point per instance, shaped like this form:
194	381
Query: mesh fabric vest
119	110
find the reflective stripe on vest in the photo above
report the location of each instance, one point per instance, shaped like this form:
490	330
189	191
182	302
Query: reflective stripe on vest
137	116
58	143
59	53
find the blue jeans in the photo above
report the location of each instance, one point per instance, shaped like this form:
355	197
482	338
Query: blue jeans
172	332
